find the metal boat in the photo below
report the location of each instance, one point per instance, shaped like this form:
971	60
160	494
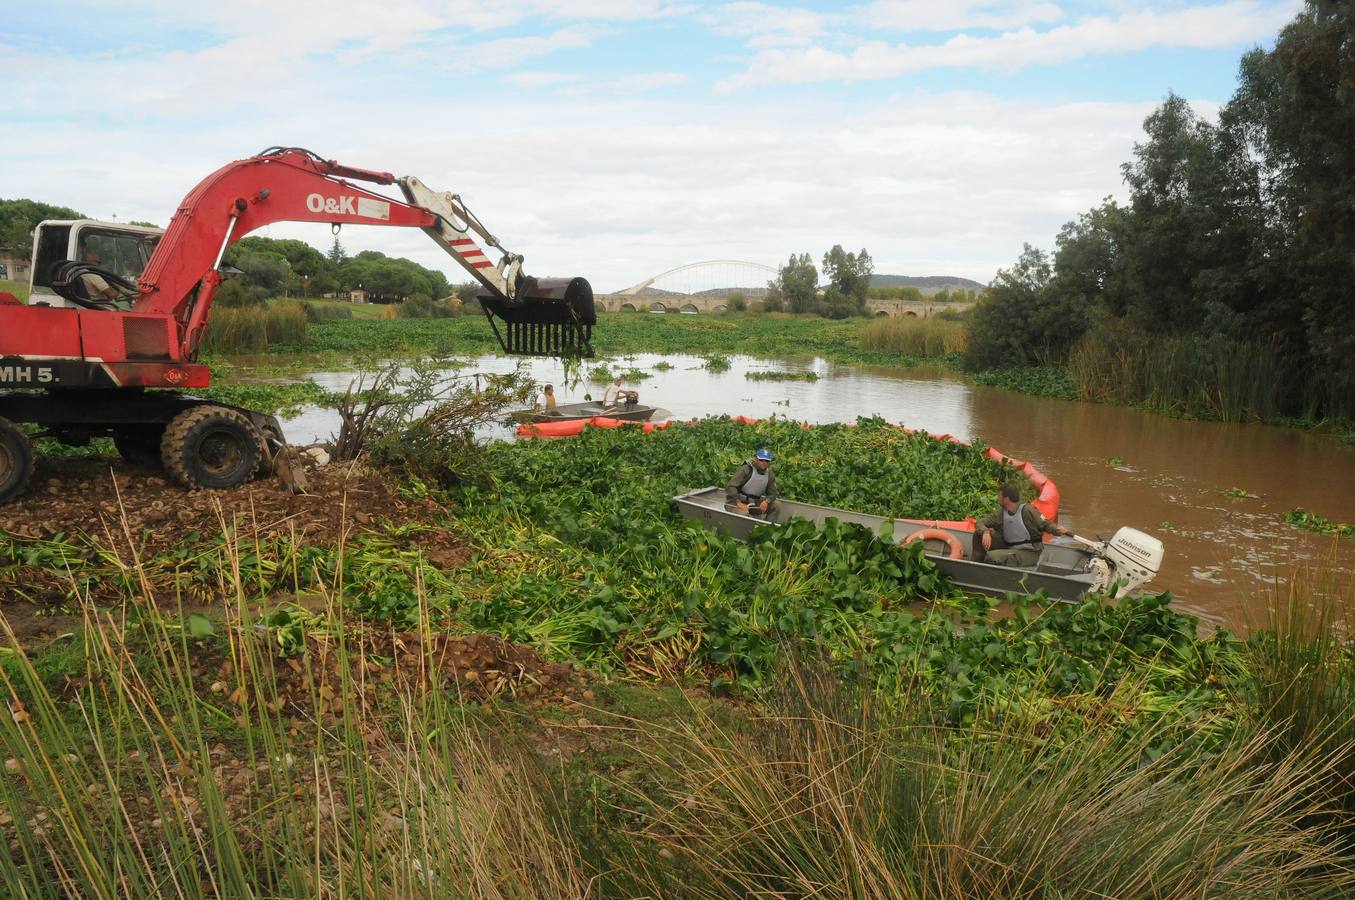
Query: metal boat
1067	569
570	412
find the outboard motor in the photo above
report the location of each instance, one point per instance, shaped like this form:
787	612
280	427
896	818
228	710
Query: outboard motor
1128	560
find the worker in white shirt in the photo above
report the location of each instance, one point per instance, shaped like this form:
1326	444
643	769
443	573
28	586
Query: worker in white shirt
615	396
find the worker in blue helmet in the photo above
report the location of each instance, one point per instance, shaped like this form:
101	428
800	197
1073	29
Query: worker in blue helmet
752	489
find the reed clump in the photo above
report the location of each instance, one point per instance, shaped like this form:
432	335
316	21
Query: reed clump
255	328
929	337
1215	377
836	794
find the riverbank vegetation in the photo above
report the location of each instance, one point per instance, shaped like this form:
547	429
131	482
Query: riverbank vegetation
778	336
379	687
910	336
1221	288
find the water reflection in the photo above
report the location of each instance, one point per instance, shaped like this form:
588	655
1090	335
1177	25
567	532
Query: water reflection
1115	466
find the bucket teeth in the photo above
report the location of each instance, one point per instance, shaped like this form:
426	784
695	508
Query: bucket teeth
547	339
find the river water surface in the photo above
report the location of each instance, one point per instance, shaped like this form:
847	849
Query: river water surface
1114	466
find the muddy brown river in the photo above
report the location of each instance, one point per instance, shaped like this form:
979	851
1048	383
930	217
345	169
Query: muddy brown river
1173	478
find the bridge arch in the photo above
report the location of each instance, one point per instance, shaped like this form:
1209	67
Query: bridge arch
707	275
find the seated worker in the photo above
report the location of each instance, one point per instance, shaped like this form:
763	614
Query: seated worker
1011	536
615	396
752	489
95	286
546	402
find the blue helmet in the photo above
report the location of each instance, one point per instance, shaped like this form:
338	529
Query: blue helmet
763	454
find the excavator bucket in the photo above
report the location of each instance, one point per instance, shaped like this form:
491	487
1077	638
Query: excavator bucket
548	317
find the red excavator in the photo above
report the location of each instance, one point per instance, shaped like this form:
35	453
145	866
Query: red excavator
82	358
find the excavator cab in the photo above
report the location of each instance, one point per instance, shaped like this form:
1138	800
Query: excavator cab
64	251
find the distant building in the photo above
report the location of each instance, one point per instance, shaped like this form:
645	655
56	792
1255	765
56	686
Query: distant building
357	296
16	267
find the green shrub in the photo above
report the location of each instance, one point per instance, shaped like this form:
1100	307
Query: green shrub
233	292
422	306
1026	318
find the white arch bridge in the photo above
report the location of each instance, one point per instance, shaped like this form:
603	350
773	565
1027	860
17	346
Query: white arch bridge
704	286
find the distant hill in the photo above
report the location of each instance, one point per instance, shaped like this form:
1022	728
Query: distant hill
926	283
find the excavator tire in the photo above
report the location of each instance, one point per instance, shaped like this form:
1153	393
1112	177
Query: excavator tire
211	447
16	460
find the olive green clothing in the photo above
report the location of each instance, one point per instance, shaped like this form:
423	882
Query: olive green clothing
1031	517
740	478
1002	555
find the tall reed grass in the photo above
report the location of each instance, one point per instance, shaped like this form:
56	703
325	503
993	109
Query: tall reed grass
147	782
253	329
929	337
1229	380
1303	687
836	795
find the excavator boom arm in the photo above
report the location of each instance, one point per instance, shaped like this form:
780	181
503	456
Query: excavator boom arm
292	185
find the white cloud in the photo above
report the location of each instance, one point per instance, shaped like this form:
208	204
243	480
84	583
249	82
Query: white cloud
765	25
504	53
934	184
615	180
540	79
1219	25
925	15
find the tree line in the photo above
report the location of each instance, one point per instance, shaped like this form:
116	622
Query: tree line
273	266
1223	284
796	286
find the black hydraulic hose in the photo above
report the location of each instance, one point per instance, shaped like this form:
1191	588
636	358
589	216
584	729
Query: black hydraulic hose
66	277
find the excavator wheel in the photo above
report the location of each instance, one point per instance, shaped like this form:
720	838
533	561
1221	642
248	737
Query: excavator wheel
16	460
211	447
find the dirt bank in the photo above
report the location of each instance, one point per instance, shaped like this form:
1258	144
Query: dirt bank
121	506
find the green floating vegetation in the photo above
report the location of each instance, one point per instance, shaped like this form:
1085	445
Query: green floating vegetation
1042	381
767	375
604	570
717	363
1308	521
604	373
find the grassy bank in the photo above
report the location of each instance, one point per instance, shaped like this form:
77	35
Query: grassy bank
17	288
811	712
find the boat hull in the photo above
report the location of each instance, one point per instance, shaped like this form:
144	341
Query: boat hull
570	412
1061	571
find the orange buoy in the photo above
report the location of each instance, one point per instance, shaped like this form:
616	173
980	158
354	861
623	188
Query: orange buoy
936	534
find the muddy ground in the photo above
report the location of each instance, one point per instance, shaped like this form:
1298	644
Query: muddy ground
106	499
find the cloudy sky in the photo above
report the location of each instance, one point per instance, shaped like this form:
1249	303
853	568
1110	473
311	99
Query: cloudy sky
619	138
